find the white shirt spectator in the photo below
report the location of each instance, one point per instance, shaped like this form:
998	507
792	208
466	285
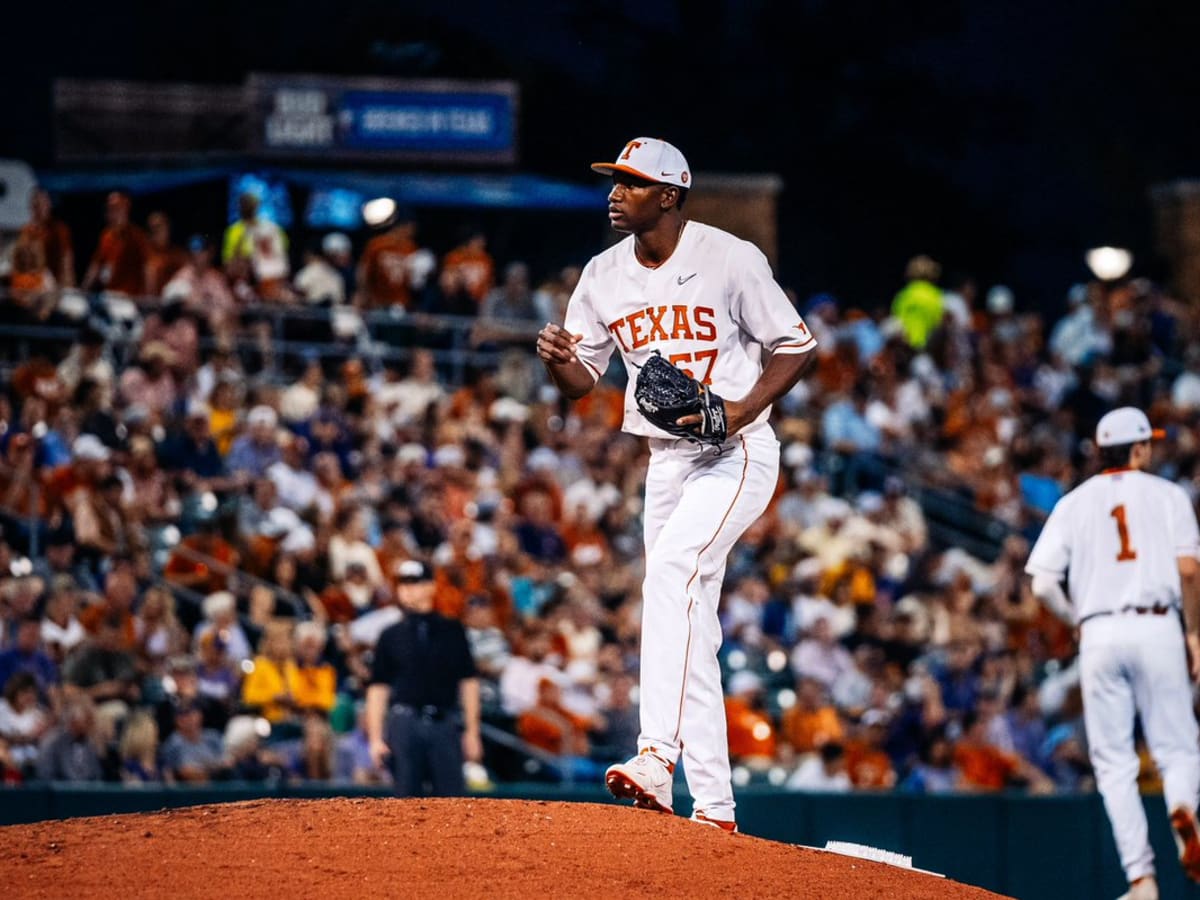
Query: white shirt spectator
295	488
319	282
811	775
519	683
67	637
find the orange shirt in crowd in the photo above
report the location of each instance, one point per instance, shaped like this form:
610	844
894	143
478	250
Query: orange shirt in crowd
162	264
553	729
385	274
460	580
869	767
809	730
122	256
91	617
478	269
985	767
54	237
751	733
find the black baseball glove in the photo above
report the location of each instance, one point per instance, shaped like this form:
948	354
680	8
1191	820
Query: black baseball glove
665	394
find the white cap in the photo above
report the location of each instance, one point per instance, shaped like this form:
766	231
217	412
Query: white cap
335	242
88	446
263	415
650	159
1127	425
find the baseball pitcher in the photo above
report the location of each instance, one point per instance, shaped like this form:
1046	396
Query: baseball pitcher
693	311
1128	543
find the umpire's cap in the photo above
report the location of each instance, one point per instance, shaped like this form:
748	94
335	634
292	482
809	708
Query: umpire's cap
413	571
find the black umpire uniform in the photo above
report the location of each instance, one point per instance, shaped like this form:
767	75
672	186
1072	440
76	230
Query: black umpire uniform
423	660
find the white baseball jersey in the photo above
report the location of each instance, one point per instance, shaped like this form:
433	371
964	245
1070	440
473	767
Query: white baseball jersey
710	309
1117	537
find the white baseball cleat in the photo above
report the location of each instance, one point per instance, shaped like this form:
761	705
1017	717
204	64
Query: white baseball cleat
1145	888
647	780
1187	840
724	824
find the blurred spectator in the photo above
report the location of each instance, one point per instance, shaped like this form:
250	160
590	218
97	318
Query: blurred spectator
68	752
164	258
192	454
471	261
314	756
245	757
23	720
216	677
985	767
181	686
51	236
26	656
935	773
409	400
822	772
313	681
318	283
158	633
256	450
752	738
101	669
138	750
32	286
340	252
88	361
220	618
193	753
394	268
820	656
120	261
120	592
61	629
352	757
269	686
202	287
551	727
918	305
150	383
254	252
513	311
867	762
811	722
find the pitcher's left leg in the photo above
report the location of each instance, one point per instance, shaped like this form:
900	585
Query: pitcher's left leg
703	732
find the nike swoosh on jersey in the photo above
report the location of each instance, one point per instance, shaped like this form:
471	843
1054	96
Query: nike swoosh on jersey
684	279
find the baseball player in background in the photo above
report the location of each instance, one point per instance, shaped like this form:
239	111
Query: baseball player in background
1128	543
709	303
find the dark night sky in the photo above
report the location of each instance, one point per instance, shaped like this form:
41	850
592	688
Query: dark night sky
1003	138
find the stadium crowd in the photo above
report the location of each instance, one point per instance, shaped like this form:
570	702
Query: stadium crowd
201	531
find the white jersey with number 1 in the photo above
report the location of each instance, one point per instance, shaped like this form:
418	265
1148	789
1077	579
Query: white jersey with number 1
1117	537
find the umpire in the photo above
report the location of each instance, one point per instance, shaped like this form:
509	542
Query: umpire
424	670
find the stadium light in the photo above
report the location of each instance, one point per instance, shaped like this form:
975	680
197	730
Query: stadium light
378	211
1109	263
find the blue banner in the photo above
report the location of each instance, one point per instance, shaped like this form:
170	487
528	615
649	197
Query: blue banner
425	121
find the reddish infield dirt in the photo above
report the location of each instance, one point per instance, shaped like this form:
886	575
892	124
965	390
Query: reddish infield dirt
356	848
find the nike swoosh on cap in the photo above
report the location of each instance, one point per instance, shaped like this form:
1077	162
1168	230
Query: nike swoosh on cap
668	174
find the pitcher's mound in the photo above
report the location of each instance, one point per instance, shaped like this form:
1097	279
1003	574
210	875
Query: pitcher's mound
357	848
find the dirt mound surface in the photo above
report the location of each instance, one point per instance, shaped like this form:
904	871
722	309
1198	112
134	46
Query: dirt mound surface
356	848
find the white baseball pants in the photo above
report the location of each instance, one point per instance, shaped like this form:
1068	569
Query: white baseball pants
1137	664
698	504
